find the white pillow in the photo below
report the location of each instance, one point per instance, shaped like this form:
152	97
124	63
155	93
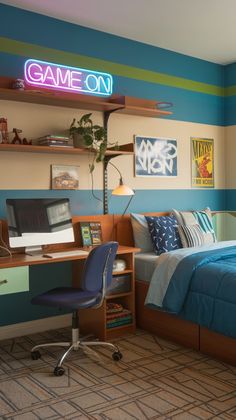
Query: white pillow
142	237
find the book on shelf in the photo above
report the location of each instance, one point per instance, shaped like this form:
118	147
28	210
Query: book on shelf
120	323
54	137
115	320
91	233
115	315
56	144
113	307
53	140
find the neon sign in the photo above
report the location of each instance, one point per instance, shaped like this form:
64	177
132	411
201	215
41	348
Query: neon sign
69	79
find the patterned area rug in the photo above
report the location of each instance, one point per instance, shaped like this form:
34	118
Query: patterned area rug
156	379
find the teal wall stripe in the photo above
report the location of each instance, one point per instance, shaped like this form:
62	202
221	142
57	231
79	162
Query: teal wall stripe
187	105
27	26
82	201
230	110
17	307
230	196
230	75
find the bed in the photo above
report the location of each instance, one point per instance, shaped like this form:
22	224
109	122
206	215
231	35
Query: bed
208	324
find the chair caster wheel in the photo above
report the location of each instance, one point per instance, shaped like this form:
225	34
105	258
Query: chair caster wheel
117	355
59	371
35	355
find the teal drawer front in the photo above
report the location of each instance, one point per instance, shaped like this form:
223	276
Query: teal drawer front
14	280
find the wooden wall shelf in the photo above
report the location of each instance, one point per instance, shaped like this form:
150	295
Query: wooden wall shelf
120	104
60	150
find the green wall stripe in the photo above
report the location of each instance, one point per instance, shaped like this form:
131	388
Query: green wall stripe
230	91
11	46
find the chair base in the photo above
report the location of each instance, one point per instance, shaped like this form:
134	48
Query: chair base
75	345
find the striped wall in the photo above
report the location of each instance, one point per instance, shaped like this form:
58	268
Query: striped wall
202	106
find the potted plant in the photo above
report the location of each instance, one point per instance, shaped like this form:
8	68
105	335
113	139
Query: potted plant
89	135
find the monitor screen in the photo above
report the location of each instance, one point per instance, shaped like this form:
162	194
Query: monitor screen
39	221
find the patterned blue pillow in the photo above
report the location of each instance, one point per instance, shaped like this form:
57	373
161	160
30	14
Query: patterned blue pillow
164	233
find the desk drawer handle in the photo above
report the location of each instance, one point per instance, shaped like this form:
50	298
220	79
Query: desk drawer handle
3	282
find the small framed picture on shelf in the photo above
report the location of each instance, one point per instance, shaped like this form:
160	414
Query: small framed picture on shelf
91	233
64	177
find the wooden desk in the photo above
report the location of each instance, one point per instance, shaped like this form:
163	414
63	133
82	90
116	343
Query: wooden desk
91	320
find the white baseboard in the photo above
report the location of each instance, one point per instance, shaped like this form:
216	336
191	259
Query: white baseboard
31	327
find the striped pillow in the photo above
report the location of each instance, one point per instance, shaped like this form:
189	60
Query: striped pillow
191	236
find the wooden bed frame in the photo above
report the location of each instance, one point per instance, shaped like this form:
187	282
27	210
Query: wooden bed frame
169	326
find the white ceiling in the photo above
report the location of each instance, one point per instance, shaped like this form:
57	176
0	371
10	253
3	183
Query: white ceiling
200	28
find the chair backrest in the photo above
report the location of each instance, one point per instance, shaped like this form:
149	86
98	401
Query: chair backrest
97	274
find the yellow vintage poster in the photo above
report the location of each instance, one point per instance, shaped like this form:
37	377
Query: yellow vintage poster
202	162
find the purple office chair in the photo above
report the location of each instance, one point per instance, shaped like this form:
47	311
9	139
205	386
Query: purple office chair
97	276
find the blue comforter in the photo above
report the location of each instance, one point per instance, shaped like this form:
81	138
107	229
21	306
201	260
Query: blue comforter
201	288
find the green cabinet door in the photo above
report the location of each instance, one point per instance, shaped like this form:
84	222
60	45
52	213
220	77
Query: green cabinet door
14	280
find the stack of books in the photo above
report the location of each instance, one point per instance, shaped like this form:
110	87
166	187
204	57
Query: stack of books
54	140
117	316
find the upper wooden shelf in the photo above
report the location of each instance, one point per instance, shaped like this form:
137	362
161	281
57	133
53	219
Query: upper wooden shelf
122	104
123	150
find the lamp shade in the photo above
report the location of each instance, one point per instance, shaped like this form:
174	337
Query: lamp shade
122	189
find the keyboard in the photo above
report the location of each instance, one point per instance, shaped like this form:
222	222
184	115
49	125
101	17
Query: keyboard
64	254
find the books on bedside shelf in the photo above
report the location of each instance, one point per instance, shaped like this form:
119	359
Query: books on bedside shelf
117	315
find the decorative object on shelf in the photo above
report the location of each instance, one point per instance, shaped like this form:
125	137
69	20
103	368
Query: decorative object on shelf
91	233
91	136
155	156
18	84
202	151
164	105
3	131
64	177
119	265
65	78
16	139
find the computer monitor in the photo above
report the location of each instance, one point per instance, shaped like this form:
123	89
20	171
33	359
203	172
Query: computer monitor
35	222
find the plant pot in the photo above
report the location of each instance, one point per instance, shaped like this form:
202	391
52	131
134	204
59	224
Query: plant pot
78	141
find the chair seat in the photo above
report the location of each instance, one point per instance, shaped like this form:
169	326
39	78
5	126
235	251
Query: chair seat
68	297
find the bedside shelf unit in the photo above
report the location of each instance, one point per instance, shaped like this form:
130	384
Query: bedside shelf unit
94	320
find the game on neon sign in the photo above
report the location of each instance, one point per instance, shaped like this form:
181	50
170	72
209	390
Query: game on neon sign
69	79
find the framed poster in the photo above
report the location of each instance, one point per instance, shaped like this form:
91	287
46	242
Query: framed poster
202	152
155	156
64	177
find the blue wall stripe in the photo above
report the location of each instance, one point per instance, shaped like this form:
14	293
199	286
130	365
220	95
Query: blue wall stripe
230	196
82	201
27	26
16	307
187	105
230	110
230	74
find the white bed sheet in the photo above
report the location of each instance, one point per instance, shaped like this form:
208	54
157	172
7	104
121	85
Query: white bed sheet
145	264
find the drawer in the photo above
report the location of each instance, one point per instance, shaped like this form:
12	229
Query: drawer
14	280
119	284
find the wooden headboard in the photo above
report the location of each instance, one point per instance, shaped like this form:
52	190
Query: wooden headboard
123	227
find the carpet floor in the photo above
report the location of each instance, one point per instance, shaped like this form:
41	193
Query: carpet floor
156	379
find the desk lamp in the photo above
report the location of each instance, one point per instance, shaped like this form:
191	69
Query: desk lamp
122	189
